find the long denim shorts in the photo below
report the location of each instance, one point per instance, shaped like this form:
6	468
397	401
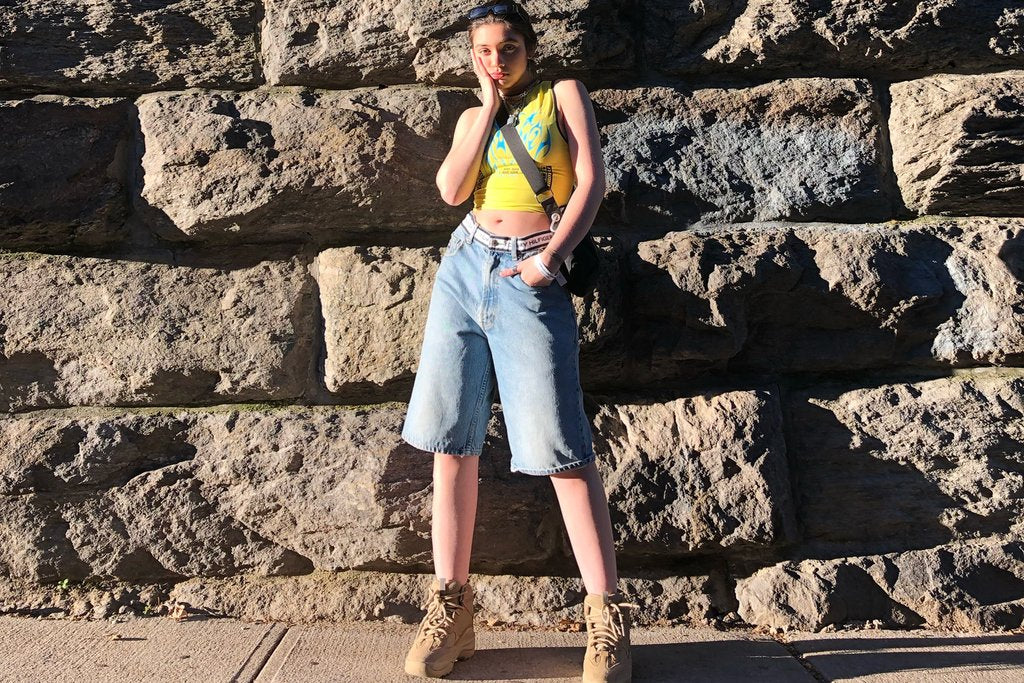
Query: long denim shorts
487	331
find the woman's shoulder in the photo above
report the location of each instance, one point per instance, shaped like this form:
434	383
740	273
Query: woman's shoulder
570	91
560	85
468	114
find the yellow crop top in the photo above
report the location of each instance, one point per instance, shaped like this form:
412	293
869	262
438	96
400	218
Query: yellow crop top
501	185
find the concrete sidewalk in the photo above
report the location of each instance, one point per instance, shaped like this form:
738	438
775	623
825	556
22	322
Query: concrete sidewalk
209	650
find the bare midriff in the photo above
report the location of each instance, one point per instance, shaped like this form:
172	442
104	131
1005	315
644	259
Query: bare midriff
511	223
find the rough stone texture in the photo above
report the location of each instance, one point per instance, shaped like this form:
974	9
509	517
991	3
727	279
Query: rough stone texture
677	35
912	465
962	587
88	331
154	495
500	600
63	171
292	164
312	42
958	143
369	42
118	46
815	297
112	46
894	37
748	298
117	498
158	495
94	600
374	303
341	488
677	487
755	379
987	270
799	149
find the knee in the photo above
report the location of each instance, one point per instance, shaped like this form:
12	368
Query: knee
453	461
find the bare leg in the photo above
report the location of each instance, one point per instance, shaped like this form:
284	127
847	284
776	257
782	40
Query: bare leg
453	514
585	513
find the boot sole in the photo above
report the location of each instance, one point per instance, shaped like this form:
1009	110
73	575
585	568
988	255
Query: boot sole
438	669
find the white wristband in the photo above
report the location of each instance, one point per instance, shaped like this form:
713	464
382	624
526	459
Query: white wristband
539	262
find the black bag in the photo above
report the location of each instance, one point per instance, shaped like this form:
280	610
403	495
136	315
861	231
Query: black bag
581	267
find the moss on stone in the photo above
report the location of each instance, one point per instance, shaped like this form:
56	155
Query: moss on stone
12	255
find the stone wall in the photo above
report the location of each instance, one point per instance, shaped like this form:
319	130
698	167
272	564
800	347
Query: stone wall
804	362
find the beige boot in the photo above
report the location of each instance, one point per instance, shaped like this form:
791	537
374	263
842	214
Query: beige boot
446	632
608	658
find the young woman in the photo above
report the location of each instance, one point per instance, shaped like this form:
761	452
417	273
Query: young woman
499	316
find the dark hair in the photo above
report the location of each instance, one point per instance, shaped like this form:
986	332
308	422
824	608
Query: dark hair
522	26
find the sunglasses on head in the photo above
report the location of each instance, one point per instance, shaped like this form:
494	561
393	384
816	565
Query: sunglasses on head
496	10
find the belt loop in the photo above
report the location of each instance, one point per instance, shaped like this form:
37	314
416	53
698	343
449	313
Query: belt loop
515	247
472	219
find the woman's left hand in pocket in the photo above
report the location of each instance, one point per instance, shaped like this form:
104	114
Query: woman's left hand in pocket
528	271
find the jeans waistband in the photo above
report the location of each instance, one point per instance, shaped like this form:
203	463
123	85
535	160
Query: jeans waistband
514	245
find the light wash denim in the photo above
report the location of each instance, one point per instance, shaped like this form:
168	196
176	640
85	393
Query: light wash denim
487	331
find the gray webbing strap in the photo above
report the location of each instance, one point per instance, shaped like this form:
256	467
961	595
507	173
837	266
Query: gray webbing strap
537	184
532	173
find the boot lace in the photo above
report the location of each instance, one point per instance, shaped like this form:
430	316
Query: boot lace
606	629
441	609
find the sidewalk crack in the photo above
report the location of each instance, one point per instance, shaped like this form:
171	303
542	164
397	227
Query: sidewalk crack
799	657
258	668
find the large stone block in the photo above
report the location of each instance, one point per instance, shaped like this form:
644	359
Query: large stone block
117	497
323	44
909	465
816	297
798	149
150	495
958	142
93	331
63	171
270	164
749	298
977	586
700	474
374	303
893	37
154	495
118	46
291	164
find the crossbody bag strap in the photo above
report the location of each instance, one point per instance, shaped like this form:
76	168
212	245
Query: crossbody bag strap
539	187
532	173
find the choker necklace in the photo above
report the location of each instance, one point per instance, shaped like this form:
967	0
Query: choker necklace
517	99
515	102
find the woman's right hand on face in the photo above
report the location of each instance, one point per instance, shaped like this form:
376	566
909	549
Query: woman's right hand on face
488	86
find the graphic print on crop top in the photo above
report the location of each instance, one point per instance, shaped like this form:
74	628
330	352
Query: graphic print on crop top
501	184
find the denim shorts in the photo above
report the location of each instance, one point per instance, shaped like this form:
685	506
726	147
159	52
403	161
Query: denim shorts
487	331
